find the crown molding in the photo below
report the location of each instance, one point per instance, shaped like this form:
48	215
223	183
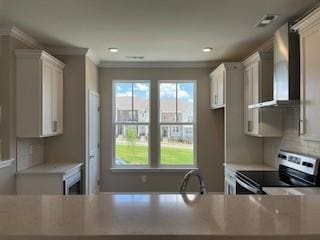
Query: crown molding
310	20
257	56
69	51
267	46
229	66
18	34
107	64
38	54
75	51
93	57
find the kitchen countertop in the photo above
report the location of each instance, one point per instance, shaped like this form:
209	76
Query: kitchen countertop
160	216
292	191
249	167
52	168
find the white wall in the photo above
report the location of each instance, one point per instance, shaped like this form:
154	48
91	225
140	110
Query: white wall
70	146
209	134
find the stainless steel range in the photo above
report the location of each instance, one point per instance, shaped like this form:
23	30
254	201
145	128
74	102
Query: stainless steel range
295	170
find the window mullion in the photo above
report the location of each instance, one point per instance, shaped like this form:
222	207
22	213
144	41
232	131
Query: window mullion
154	125
132	103
176	102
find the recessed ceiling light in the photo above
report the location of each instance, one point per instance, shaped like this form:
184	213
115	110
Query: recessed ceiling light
266	20
207	49
113	50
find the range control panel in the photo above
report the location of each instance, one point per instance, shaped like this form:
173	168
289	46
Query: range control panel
306	164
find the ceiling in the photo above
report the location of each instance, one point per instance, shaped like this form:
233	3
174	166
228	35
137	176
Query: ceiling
158	30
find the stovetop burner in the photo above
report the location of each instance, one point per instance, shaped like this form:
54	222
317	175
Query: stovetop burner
272	179
295	170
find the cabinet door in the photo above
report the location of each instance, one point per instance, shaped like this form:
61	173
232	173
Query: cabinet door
57	101
212	92
255	97
46	100
217	89
310	84
220	87
247	100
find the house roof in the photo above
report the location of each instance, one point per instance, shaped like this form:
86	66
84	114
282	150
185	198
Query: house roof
167	105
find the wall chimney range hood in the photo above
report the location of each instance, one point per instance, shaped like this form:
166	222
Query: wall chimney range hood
286	72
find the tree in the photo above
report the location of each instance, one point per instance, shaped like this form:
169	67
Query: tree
131	136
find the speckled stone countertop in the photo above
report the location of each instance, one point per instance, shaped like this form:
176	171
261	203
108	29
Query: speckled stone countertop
52	168
159	216
249	167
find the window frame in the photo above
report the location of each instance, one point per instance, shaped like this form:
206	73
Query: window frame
154	123
194	124
132	123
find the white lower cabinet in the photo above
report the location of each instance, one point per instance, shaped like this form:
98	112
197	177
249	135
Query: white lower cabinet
50	179
229	182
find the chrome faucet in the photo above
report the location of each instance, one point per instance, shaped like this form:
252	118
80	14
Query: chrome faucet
186	179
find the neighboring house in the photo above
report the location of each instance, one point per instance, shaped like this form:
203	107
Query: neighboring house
168	114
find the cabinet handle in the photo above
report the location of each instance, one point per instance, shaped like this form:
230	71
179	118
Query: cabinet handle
249	126
54	126
301	130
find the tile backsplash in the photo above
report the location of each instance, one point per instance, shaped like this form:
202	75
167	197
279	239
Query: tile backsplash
290	141
29	152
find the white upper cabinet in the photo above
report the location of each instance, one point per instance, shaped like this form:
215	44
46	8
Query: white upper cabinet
258	87
217	87
309	31
39	94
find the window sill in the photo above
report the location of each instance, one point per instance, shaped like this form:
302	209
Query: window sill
163	169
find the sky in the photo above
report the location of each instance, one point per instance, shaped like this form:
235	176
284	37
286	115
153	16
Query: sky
167	90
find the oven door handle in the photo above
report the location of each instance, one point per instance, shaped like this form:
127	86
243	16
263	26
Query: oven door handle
247	186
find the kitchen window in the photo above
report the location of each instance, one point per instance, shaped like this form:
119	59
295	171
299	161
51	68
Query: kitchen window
177	123
173	131
131	123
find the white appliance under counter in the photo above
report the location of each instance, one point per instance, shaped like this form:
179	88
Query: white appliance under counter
48	178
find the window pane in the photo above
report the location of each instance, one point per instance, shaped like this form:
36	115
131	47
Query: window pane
176	145
123	102
168	102
185	102
131	147
141	102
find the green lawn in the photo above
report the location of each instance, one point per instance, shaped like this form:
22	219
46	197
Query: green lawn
139	155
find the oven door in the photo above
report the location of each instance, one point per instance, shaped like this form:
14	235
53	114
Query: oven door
244	187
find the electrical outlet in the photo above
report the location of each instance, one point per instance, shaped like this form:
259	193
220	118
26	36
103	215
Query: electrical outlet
144	178
30	150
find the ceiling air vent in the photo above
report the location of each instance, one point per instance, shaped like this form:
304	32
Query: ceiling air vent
135	57
266	20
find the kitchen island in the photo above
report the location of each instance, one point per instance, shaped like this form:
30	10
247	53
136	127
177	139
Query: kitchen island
159	216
